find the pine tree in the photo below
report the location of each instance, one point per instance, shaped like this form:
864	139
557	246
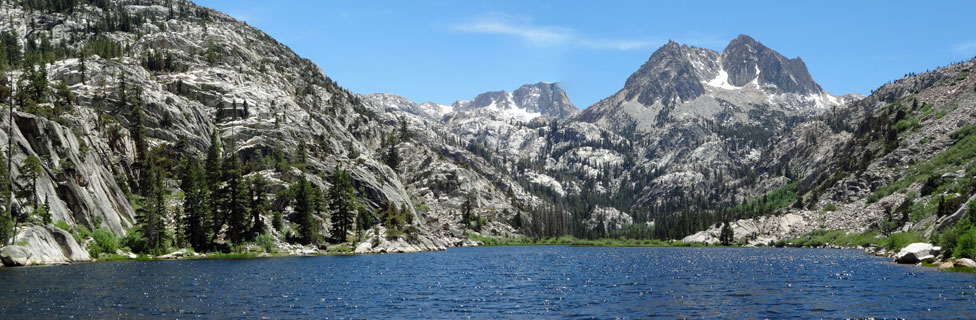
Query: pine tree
6	219
30	170
404	133
84	67
213	165
342	203
259	204
301	156
236	201
726	236
152	214
196	205
44	212
392	157
138	131
308	226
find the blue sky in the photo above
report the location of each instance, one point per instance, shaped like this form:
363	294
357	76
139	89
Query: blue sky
443	51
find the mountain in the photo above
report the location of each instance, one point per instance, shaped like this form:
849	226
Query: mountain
129	81
901	159
428	110
113	103
679	81
701	118
524	104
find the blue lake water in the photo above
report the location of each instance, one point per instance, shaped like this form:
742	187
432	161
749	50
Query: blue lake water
498	282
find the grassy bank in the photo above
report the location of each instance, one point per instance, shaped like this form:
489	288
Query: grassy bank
573	241
841	238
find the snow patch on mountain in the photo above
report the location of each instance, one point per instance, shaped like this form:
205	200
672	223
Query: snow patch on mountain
721	81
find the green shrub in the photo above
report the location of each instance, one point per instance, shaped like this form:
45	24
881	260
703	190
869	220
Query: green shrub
948	241
902	125
897	241
266	241
134	241
963	132
43	213
830	207
393	234
62	225
966	245
105	242
340	249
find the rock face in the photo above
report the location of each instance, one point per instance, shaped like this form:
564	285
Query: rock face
670	76
917	252
746	60
608	219
43	245
79	183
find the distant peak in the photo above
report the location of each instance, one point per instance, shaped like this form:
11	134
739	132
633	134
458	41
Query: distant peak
747	60
744	37
743	41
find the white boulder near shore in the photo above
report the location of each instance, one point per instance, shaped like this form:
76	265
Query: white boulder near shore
41	245
917	252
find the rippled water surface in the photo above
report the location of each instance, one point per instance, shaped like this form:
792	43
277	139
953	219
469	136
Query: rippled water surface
508	282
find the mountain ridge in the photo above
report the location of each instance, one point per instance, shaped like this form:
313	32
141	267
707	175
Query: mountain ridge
692	135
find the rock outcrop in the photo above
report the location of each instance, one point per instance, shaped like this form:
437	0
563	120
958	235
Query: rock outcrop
917	252
43	245
378	243
760	231
964	262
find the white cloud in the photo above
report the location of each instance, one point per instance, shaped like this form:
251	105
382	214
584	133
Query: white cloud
965	47
531	34
545	35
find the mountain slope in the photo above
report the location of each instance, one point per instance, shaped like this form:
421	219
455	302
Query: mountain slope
175	72
901	159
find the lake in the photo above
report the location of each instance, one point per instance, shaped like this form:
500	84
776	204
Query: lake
498	282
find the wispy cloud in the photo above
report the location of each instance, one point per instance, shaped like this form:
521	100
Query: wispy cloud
965	47
537	35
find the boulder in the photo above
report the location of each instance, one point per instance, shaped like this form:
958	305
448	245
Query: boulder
130	255
43	245
13	256
364	247
915	252
945	265
964	262
173	255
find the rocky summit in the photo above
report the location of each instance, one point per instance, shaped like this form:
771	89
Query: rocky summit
156	125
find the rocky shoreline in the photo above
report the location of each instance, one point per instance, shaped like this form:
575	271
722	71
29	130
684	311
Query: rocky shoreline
50	245
918	253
